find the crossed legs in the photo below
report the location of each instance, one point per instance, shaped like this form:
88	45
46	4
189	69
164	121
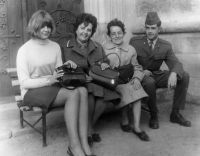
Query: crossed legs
76	118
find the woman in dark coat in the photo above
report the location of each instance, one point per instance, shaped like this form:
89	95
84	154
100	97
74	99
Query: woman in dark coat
84	52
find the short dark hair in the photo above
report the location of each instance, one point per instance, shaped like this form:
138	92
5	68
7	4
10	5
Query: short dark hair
115	22
86	18
38	20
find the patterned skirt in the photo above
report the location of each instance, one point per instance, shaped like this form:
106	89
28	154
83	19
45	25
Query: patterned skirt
129	95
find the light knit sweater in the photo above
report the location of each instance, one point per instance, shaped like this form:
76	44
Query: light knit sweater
36	61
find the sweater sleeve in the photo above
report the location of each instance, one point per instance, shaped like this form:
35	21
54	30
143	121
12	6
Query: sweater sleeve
23	73
59	58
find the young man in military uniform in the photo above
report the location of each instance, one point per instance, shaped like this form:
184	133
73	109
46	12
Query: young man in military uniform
152	51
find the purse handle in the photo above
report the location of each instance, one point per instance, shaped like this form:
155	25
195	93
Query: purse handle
110	54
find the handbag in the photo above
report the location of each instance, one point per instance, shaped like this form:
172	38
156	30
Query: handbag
72	78
126	73
107	78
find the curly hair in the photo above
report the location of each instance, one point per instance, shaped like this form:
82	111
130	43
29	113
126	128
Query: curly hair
86	18
38	20
115	22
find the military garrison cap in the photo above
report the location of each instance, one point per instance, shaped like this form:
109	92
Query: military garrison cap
152	18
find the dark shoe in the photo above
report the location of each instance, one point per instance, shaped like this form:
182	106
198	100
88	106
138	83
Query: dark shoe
153	123
142	135
178	118
90	140
96	137
70	152
126	128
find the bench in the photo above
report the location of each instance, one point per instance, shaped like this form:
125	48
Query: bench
12	72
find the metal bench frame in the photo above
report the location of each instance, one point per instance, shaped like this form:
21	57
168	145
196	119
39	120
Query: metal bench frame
23	108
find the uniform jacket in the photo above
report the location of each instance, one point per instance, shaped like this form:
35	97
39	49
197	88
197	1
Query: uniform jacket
73	53
127	55
152	61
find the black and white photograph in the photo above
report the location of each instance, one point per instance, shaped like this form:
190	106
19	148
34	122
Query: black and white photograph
99	77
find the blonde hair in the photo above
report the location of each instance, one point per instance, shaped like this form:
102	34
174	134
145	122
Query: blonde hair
38	20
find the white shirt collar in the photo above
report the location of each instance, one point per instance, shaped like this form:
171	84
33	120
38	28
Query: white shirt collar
154	42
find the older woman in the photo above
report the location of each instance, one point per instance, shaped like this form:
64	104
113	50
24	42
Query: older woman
131	92
36	63
84	52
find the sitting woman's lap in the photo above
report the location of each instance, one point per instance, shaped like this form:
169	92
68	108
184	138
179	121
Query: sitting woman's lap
41	97
64	95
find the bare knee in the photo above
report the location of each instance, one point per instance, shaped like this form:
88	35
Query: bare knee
70	94
83	91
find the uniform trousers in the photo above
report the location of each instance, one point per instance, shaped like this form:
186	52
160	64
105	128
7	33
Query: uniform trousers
151	83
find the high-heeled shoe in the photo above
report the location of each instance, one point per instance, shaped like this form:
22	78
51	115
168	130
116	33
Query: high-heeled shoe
142	135
70	152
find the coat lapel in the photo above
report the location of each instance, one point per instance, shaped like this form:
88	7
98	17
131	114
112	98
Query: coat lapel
72	43
91	46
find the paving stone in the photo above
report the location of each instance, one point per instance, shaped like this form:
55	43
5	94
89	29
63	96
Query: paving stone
5	133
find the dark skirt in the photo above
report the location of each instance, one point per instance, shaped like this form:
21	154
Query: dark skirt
41	97
106	94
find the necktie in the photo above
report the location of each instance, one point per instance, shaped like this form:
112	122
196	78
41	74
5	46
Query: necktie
151	45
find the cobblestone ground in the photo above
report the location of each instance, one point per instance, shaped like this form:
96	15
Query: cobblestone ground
169	140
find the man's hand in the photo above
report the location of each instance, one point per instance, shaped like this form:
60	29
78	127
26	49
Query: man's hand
147	72
136	83
172	81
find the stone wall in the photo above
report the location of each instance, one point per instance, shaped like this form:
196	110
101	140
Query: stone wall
180	25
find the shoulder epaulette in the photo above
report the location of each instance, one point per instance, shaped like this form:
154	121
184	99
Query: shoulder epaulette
165	42
137	37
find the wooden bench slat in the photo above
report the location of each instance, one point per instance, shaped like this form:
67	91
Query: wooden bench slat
9	70
18	98
12	72
15	83
37	109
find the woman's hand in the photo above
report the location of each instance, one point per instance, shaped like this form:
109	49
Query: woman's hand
136	83
88	78
104	66
54	77
71	64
